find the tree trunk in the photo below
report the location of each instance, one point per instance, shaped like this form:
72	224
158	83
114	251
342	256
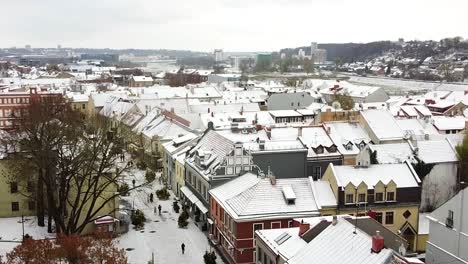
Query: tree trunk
40	201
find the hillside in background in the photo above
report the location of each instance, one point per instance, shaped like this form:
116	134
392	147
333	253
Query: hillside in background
349	52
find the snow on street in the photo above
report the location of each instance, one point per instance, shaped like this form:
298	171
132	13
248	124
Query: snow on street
11	230
161	234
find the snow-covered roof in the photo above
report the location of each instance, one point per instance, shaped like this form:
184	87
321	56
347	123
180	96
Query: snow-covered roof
449	123
250	197
344	133
142	79
402	175
285	113
323	193
214	143
166	130
436	151
382	123
286	247
393	153
339	242
416	127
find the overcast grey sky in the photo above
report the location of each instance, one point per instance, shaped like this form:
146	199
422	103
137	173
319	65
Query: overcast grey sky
234	25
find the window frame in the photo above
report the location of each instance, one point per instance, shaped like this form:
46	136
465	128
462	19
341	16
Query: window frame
15	205
394	197
346	198
253	228
381	200
393	217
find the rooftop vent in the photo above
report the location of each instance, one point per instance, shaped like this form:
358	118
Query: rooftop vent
289	194
282	238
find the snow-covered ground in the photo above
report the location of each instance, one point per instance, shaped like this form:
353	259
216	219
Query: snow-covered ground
161	234
11	230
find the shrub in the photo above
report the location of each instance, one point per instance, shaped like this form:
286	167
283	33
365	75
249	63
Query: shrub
150	175
182	221
123	189
138	219
176	206
209	257
141	165
163	194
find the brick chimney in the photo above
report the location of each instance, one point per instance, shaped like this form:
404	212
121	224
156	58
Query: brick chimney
303	227
377	242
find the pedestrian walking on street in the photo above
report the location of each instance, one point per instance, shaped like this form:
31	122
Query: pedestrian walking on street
133	181
159	209
183	248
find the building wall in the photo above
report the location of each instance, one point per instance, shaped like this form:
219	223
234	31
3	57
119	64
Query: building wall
7	198
282	164
313	164
439	185
180	177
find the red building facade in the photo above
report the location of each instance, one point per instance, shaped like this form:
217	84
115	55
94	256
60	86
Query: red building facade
236	239
13	105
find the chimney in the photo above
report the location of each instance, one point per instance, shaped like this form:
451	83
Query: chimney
172	109
377	242
334	220
299	132
272	179
328	130
303	227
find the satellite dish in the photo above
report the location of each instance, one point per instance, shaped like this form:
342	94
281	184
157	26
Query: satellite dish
336	105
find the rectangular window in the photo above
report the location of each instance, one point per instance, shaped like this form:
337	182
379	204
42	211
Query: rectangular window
30	186
390	196
13	187
379	197
259	254
275	225
31	205
349	199
238	169
449	220
389	218
290	224
317	172
379	217
362	198
229	170
14	206
257	227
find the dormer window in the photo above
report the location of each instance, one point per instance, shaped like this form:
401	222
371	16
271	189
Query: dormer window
332	149
318	150
390	196
348	146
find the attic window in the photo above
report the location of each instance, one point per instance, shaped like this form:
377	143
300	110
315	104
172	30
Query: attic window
349	146
289	194
318	150
332	149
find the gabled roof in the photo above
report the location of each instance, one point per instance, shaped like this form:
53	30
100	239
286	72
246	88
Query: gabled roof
403	175
218	147
341	243
382	123
343	133
449	123
251	197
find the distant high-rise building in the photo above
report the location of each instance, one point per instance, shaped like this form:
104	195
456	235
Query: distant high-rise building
218	54
313	47
318	55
